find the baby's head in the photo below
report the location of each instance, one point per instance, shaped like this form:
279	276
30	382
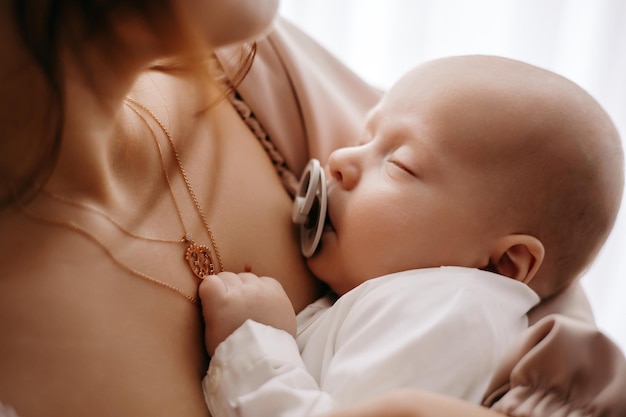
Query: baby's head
475	161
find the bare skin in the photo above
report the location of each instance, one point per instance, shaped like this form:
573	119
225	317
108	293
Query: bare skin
110	319
82	335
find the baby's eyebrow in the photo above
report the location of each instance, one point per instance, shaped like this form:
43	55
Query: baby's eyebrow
423	152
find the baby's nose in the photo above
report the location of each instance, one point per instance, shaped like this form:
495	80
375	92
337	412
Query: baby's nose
343	167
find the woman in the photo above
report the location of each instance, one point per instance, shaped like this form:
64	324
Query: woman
105	320
126	175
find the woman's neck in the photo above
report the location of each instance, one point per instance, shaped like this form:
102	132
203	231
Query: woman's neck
108	153
95	126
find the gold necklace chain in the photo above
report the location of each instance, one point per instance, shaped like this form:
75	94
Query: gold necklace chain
108	217
81	230
198	256
194	251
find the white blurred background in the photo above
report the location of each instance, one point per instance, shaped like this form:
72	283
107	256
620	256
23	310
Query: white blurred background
583	40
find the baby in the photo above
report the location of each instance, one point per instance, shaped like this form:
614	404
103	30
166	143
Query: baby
481	186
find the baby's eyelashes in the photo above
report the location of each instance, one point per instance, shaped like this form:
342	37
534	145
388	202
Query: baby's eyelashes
401	166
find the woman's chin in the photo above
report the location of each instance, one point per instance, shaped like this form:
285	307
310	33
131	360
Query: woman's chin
239	21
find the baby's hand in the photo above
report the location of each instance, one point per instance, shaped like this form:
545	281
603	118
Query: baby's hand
229	299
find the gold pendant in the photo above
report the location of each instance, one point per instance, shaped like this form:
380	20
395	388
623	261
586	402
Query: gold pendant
199	259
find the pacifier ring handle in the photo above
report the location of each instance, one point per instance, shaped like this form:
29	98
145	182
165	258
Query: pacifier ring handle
309	207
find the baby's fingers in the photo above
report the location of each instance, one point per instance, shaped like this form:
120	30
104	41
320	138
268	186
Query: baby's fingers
219	285
212	287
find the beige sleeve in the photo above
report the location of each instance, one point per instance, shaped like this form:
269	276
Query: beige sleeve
561	367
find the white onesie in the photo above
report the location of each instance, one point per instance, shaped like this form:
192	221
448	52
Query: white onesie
437	329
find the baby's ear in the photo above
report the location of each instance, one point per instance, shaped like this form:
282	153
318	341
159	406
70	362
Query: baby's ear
517	256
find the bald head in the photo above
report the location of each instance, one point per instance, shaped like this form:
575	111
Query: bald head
548	155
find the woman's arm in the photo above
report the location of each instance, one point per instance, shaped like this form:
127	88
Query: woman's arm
414	403
572	303
561	367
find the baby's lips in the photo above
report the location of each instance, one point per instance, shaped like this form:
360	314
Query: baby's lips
328	225
328	222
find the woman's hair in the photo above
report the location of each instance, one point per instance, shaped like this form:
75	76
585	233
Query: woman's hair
49	27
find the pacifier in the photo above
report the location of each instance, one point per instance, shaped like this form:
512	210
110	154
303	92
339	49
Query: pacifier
309	207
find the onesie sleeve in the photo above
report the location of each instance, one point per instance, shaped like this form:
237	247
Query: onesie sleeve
258	371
